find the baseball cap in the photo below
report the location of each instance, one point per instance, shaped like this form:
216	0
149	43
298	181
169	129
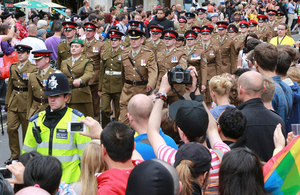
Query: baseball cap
190	116
153	177
195	152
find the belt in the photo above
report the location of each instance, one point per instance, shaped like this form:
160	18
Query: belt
81	86
136	83
20	89
41	100
111	73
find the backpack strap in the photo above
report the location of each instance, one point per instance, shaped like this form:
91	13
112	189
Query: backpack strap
219	153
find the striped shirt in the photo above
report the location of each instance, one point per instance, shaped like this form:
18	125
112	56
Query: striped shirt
167	153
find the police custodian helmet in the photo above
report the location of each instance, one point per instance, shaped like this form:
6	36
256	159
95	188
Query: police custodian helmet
57	83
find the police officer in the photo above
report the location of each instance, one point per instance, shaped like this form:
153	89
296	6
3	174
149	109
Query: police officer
37	101
139	71
16	99
263	32
212	56
226	46
79	71
64	46
155	44
169	58
110	83
47	131
195	57
93	50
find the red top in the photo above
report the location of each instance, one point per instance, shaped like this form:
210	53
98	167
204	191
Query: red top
146	22
114	181
23	31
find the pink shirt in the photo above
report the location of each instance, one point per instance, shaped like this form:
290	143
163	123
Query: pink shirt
166	153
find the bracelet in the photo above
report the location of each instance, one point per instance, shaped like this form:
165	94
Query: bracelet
162	96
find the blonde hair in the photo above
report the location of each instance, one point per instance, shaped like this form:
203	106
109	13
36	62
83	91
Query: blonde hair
184	170
294	74
220	85
92	162
185	176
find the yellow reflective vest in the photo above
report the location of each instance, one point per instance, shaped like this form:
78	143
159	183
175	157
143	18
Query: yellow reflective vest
66	147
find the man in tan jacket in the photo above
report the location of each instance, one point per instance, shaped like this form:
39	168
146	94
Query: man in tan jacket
93	49
110	82
139	71
37	100
16	100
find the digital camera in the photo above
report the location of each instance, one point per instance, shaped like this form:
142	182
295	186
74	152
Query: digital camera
178	75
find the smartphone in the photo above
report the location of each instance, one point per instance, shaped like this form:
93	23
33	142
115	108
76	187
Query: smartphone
5	172
76	127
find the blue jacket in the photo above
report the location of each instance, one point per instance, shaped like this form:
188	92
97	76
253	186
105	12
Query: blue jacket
146	150
295	115
283	99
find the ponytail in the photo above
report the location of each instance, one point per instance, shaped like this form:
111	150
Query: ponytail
185	176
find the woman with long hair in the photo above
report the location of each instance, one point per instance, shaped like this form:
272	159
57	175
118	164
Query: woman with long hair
241	173
92	162
44	172
192	163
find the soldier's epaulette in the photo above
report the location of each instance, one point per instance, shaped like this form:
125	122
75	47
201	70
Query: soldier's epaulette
78	113
146	49
34	117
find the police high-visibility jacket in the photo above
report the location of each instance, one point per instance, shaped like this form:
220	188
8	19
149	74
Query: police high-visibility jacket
66	147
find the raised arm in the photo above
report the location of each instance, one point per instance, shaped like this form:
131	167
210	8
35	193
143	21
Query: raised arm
154	137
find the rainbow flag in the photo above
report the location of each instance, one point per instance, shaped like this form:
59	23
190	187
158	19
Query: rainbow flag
282	171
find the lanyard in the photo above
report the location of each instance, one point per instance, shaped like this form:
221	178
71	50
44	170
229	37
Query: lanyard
280	41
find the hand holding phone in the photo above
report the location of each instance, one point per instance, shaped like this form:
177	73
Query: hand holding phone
76	127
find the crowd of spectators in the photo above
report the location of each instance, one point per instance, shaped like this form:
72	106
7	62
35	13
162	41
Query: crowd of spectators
190	147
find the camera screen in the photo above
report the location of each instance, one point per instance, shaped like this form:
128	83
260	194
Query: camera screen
77	127
6	173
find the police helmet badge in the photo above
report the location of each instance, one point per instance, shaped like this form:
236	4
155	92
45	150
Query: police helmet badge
53	82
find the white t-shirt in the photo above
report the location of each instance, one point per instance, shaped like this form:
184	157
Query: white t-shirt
35	43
